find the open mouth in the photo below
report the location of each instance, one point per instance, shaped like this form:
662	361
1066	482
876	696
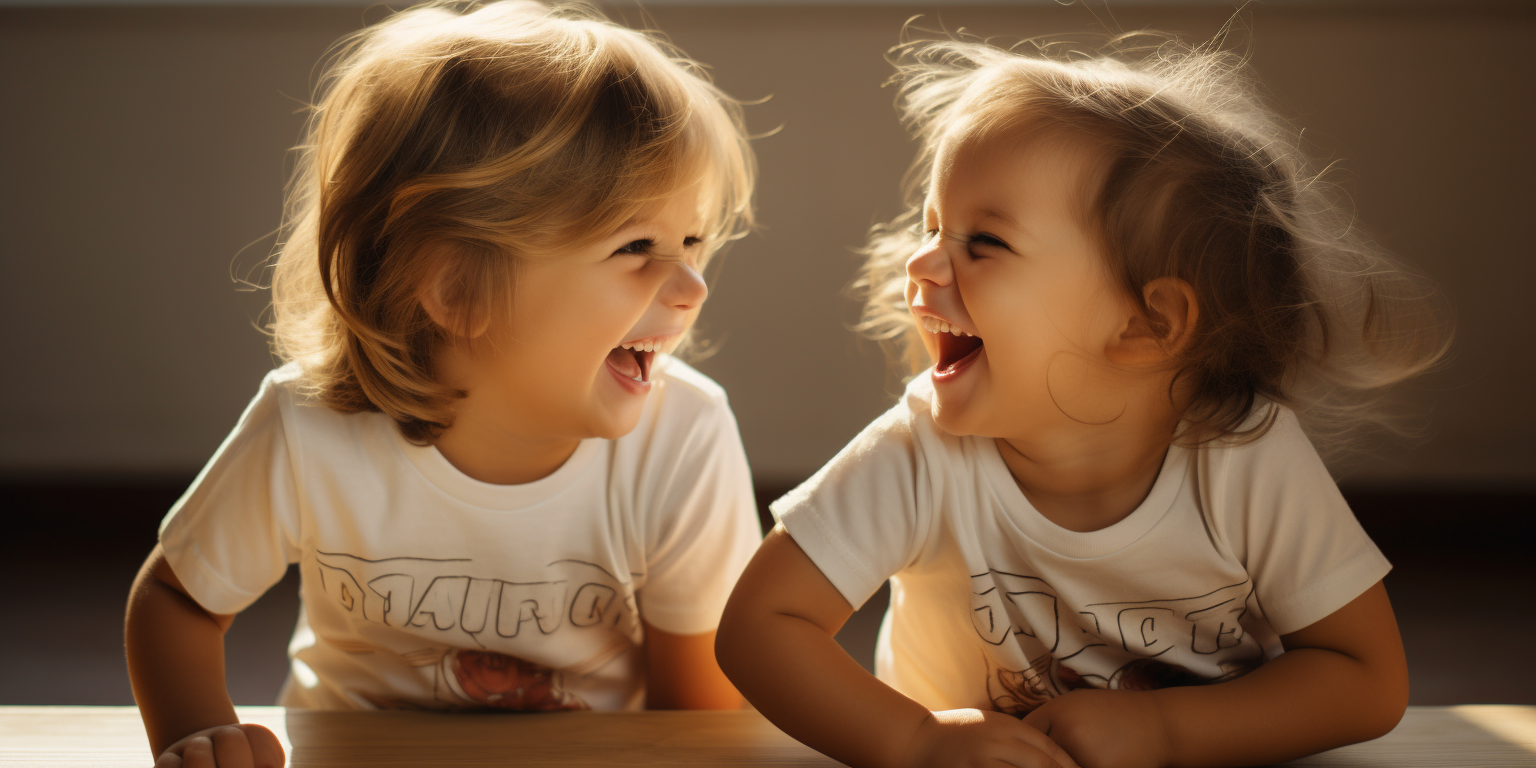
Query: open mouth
957	348
956	352
632	364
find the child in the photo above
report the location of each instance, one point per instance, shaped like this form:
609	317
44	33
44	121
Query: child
1099	510
500	490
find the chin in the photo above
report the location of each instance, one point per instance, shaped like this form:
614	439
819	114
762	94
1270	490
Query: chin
954	419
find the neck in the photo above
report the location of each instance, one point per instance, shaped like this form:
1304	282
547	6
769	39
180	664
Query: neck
481	450
489	441
1087	477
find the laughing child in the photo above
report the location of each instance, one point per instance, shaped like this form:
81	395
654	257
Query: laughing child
499	487
1109	537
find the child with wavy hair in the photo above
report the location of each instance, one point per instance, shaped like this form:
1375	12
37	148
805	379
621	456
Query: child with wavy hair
499	487
1109	536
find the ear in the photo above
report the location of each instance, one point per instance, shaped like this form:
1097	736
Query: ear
433	296
1163	332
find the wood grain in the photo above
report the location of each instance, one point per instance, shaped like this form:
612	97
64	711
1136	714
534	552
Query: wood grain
1484	736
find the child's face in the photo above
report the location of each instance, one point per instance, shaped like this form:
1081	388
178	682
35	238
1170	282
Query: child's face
556	369
1007	259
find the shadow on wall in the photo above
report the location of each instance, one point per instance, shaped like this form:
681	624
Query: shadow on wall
140	163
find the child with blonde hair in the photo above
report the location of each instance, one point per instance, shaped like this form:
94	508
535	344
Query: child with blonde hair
500	488
1109	536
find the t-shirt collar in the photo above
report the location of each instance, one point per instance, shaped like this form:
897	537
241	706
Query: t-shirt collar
1027	520
438	471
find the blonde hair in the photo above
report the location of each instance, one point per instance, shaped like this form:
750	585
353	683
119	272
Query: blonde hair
453	140
1201	182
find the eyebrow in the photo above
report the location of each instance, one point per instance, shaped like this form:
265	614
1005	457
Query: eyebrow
988	213
641	229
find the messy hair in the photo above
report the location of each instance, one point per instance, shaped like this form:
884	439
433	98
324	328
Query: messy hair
1201	182
454	140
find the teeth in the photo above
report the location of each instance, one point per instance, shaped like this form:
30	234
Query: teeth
935	325
647	346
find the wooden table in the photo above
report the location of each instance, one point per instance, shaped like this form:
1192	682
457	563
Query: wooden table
1484	736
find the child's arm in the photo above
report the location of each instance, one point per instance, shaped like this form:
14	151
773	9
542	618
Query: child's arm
776	643
681	673
176	665
1342	680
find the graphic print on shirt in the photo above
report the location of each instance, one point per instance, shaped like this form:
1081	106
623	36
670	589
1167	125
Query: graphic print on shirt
491	642
1039	648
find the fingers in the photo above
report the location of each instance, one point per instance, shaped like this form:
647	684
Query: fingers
1042	744
1020	746
1036	758
231	746
231	749
1029	756
266	750
198	753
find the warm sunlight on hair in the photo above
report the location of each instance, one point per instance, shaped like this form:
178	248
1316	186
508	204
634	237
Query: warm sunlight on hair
449	143
1197	180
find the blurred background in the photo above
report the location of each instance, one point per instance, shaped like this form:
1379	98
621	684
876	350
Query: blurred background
145	147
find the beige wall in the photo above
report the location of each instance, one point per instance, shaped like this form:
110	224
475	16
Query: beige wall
144	148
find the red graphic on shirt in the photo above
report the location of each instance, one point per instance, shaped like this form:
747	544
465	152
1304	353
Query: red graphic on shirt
507	682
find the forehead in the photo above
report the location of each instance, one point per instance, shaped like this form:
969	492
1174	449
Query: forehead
683	204
1023	169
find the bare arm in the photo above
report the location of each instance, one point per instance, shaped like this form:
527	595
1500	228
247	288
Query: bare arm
681	673
776	643
176	665
1342	680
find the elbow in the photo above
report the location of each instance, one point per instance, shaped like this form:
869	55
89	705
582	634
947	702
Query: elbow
1383	721
728	643
743	640
1389	705
1393	709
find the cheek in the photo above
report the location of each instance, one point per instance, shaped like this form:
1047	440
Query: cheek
1013	314
1091	310
574	314
1029	319
546	343
1070	310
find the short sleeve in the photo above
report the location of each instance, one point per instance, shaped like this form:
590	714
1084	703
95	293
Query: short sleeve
858	518
233	533
701	523
1288	523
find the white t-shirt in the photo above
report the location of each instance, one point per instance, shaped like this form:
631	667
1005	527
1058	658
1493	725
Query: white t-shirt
994	606
425	588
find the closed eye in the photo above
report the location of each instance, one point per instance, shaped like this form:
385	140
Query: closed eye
988	240
647	247
639	247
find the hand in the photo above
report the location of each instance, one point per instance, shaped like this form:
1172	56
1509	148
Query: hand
226	746
1106	729
971	737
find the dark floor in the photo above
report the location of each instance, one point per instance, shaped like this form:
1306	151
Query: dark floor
1462	591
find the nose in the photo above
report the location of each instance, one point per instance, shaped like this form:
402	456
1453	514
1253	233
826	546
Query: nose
685	288
931	264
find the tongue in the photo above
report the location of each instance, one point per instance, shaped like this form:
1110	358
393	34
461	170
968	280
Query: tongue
623	361
953	349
